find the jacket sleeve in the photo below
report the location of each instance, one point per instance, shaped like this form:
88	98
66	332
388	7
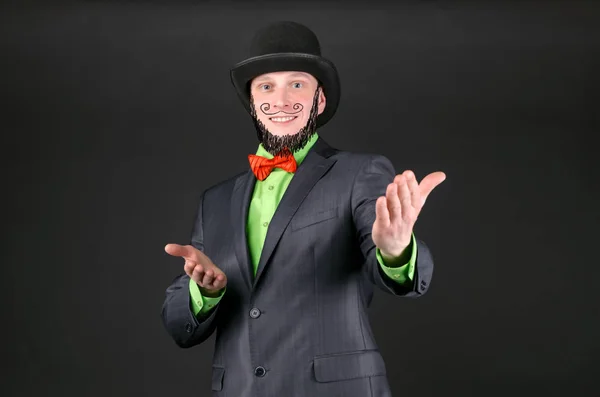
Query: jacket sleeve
371	181
185	328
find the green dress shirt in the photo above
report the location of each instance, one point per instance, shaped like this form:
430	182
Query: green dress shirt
265	199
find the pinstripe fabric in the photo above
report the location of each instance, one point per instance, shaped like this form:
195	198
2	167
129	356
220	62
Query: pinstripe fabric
303	318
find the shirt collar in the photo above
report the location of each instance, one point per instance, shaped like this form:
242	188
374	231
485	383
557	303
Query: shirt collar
299	155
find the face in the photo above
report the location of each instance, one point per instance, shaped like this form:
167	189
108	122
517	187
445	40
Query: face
283	101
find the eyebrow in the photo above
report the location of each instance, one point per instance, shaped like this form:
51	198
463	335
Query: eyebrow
296	75
260	80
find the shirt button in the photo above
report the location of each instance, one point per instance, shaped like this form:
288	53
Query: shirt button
266	224
271	187
260	371
255	313
188	328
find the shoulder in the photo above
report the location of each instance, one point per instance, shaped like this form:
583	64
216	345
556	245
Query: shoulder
356	160
225	186
364	162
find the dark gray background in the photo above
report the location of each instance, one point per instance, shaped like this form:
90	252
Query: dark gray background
112	119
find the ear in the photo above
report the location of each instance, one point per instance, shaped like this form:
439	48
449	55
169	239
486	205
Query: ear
322	101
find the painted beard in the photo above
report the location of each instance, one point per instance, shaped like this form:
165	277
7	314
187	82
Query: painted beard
294	142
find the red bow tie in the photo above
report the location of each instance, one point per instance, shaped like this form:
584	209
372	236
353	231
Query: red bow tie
262	166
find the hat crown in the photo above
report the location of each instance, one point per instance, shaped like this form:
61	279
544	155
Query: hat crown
282	37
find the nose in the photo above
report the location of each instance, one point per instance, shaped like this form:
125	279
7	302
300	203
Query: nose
281	99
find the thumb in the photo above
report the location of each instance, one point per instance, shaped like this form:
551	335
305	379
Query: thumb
184	251
430	182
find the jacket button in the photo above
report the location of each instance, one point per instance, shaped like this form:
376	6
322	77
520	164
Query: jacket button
255	313
188	328
260	371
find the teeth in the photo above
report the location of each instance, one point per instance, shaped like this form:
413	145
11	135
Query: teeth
282	119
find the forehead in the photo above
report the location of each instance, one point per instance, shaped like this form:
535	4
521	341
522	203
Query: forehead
287	75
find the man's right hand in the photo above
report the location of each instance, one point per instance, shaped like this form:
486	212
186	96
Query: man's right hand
200	268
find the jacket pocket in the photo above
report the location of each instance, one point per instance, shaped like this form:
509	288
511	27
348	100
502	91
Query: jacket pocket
345	366
218	373
306	220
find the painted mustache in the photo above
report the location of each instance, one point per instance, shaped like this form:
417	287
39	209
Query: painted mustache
265	107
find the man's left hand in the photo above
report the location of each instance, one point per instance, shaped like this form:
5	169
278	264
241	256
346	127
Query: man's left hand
398	210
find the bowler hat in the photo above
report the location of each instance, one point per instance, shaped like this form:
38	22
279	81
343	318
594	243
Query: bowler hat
288	46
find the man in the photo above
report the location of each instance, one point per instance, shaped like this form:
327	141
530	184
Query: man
283	257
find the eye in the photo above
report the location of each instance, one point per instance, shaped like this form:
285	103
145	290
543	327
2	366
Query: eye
264	87
297	85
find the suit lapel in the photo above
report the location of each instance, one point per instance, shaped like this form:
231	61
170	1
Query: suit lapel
314	166
240	201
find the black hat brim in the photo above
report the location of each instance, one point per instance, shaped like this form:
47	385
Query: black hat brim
321	68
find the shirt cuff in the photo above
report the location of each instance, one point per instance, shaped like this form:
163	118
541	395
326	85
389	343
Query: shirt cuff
404	273
202	304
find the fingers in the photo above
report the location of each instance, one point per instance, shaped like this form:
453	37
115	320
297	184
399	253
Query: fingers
198	266
218	283
415	191
213	281
405	201
393	202
210	279
198	275
190	266
381	212
404	195
206	277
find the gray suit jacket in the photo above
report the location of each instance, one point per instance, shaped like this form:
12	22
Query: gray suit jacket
300	327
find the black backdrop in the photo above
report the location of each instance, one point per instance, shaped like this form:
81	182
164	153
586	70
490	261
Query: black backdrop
114	113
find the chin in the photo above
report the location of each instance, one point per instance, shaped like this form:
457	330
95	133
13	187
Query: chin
280	130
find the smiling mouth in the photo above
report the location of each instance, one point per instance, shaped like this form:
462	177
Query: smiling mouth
282	120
